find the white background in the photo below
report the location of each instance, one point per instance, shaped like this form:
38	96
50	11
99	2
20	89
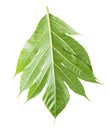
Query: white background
18	19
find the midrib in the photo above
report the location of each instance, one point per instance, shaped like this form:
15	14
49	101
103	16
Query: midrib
51	44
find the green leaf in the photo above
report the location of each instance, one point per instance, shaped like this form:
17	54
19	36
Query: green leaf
53	59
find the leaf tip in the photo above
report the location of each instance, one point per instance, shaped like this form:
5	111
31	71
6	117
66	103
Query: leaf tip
87	98
54	121
19	95
14	75
99	82
26	101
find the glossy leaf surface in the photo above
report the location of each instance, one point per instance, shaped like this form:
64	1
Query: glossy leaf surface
53	59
